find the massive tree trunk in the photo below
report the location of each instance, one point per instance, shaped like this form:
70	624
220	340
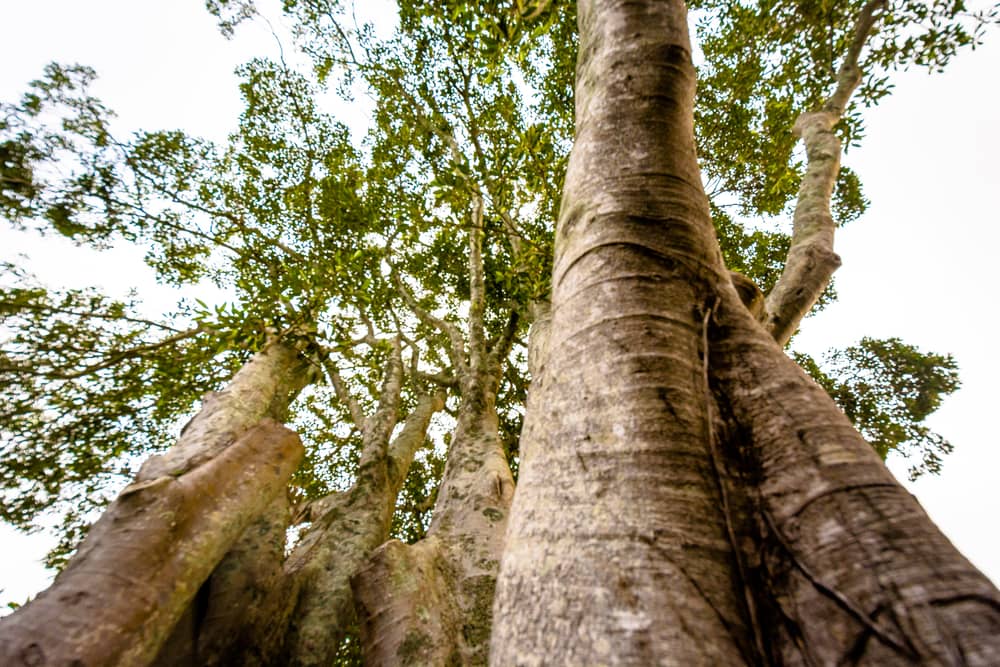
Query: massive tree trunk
429	603
144	560
687	495
261	608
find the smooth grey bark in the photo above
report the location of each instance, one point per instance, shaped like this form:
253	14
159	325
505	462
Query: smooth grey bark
617	551
811	259
538	337
142	563
688	496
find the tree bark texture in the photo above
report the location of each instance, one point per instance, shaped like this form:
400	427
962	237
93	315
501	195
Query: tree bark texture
298	612
854	571
430	603
348	527
687	495
220	619
144	560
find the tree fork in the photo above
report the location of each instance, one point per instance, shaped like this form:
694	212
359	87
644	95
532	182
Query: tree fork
167	531
304	609
350	526
402	588
457	563
217	624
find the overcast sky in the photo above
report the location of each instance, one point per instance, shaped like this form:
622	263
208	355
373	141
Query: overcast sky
918	265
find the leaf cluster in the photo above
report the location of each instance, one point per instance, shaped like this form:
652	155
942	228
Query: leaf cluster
888	389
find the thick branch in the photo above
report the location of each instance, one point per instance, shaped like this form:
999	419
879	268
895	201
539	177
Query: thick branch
500	347
378	428
855	570
142	563
263	387
477	288
811	260
406	444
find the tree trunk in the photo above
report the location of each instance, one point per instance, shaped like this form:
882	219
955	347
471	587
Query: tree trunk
348	527
430	603
142	563
687	495
854	572
298	612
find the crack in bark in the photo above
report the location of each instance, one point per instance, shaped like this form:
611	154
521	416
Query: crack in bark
698	267
727	513
832	593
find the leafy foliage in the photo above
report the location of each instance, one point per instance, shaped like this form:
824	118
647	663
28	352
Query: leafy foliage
888	389
90	384
767	62
345	244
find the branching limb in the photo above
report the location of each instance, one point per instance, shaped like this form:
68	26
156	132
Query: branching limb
379	426
477	288
116	358
501	345
811	260
344	394
99	316
456	351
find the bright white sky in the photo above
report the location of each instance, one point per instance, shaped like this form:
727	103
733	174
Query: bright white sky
918	265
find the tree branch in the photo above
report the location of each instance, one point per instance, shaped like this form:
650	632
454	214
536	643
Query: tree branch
500	346
379	426
344	394
118	357
456	351
97	316
811	260
477	288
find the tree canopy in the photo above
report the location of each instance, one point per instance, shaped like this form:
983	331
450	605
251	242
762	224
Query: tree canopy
428	239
